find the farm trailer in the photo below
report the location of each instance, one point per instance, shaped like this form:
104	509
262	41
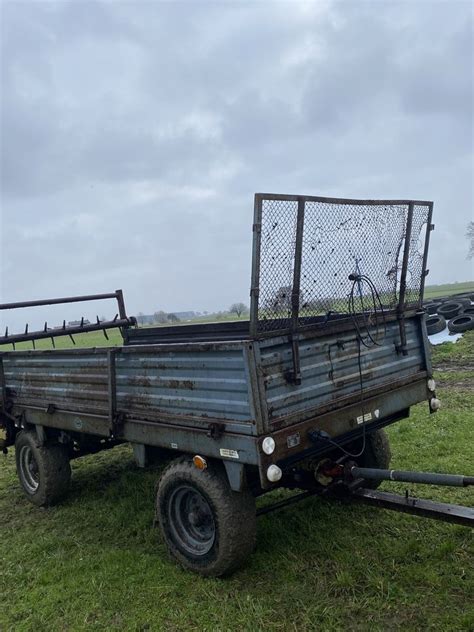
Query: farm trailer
297	397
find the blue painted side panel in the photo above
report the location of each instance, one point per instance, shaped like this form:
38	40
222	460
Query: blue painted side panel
196	383
208	384
330	368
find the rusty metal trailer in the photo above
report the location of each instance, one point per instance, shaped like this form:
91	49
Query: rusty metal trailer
335	349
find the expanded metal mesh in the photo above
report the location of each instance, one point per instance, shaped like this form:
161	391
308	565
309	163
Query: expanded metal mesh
338	238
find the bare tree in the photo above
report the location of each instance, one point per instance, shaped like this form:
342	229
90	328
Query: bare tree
470	239
173	318
141	318
238	308
160	317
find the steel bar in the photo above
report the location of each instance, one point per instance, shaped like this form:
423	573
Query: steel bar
112	389
121	304
416	506
57	301
287	501
317	198
429	228
54	333
295	293
402	476
256	248
403	281
3	389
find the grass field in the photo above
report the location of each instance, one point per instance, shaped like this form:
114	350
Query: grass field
95	562
433	291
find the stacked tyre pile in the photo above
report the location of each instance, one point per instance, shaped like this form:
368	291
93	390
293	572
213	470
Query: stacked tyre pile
457	312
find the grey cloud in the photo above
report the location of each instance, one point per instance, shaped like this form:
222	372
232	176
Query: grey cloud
135	134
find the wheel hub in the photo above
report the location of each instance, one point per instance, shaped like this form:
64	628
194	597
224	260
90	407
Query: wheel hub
191	520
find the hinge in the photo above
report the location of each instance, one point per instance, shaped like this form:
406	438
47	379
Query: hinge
215	431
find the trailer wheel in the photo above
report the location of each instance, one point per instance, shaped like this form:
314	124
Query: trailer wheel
207	527
376	454
44	471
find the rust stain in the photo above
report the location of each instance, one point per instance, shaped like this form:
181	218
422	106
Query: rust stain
179	384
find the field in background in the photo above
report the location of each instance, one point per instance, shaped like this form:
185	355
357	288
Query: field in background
433	291
97	339
95	562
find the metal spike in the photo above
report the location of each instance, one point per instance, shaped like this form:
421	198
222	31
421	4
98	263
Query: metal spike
26	328
64	324
6	332
82	321
46	326
34	346
105	334
98	320
53	343
72	339
116	317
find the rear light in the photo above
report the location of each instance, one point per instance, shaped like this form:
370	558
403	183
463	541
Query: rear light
200	462
268	445
274	473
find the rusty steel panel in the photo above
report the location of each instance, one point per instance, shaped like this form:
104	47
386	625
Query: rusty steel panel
330	368
67	380
149	383
205	383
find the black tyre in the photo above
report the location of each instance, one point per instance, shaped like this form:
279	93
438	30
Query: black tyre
469	310
435	324
207	527
377	453
450	309
432	308
461	323
44	471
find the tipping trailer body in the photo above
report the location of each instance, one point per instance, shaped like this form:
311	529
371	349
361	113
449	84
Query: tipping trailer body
335	349
220	398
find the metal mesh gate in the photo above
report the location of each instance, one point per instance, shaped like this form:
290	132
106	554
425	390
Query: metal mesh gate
305	249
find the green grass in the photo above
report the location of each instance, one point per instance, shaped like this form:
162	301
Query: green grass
95	562
434	291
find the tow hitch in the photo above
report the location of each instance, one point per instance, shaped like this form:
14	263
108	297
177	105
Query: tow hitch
347	483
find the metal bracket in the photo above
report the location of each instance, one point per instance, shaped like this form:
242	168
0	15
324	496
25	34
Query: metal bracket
116	418
215	431
3	388
293	376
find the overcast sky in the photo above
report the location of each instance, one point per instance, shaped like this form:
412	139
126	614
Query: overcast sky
134	135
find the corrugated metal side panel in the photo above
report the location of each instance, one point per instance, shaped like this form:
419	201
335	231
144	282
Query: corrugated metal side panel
330	368
70	382
204	383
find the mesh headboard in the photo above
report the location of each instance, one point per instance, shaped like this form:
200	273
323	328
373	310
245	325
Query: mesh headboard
306	247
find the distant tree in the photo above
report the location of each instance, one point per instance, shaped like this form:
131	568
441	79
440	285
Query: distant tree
238	308
160	317
141	318
470	239
102	318
173	318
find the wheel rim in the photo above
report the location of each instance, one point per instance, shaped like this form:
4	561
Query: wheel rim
191	520
29	469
